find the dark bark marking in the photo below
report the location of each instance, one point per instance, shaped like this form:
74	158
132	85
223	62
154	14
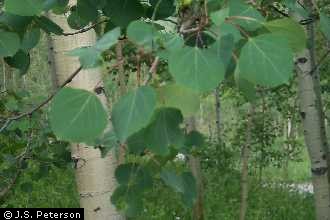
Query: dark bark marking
319	171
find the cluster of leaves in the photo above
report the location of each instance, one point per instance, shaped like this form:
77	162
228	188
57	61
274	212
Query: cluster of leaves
231	40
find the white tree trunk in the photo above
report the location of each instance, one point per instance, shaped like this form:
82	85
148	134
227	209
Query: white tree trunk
313	137
313	122
94	175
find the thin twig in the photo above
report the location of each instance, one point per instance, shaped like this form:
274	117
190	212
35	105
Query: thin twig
320	62
85	29
20	159
6	190
138	69
239	28
152	70
25	114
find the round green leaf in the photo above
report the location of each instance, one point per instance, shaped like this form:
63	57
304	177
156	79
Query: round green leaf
108	40
289	29
168	43
89	57
179	97
20	60
164	131
122	12
26	8
75	21
224	48
87	10
133	111
173	180
245	15
15	22
30	39
48	25
9	43
325	25
194	139
142	34
266	60
129	174
190	189
224	30
195	68
77	115
163	9
219	17
128	199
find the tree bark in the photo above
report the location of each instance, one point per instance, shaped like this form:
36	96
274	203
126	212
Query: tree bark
312	123
51	62
218	113
245	165
195	167
313	137
94	175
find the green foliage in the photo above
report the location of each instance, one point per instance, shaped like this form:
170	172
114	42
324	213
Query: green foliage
133	180
289	29
122	12
245	15
164	131
9	43
48	25
226	29
325	25
142	34
87	10
277	65
161	9
105	142
179	97
183	183
91	56
30	39
29	8
219	17
169	43
20	60
77	115
133	111
194	139
203	73
295	7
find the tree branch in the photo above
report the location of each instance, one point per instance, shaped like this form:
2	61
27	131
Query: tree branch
25	114
152	70
20	158
85	29
317	66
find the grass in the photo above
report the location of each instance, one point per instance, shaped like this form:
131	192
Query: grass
297	172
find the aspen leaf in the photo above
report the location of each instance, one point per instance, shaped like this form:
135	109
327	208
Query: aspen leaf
266	60
77	115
